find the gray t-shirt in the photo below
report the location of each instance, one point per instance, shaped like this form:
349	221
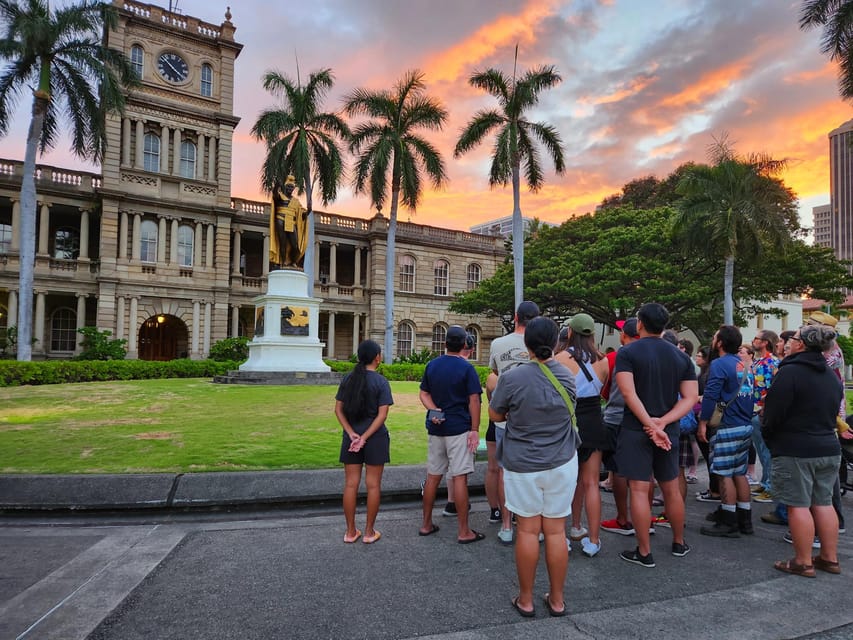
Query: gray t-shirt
507	352
539	434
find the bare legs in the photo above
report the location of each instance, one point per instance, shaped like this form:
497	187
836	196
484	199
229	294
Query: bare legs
429	500
588	493
803	523
527	557
641	513
373	481
673	504
460	495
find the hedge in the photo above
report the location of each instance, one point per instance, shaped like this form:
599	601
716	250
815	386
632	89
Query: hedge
14	373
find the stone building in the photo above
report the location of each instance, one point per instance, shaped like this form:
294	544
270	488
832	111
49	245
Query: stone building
157	251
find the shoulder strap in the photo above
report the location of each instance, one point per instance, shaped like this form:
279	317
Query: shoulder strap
581	366
562	391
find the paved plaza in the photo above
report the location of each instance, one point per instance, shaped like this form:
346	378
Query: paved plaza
285	573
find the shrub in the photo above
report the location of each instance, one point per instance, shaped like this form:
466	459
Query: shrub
417	357
13	373
236	349
97	345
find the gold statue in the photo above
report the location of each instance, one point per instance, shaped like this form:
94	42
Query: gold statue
288	227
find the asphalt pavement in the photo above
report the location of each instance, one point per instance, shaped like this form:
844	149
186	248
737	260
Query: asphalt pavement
266	560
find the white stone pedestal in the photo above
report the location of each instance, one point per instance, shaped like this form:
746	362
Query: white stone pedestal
286	324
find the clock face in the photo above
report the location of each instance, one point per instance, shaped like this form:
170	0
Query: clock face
173	67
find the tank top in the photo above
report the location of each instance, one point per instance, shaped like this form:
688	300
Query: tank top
587	383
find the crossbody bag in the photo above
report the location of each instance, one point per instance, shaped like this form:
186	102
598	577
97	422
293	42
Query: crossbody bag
562	391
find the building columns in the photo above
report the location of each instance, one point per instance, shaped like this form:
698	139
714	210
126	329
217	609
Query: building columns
135	246
120	318
235	259
330	341
196	324
211	244
164	149
208	309
235	321
199	161
161	241
176	153
122	234
81	320
356	279
132	333
44	228
16	226
125	142
38	331
333	263
316	265
84	234
265	259
197	243
173	247
12	320
211	160
356	320
140	145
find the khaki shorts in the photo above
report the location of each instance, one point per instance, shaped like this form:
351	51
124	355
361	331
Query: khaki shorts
449	454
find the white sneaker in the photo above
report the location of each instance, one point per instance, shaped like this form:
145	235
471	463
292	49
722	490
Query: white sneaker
569	544
541	537
505	536
589	548
577	534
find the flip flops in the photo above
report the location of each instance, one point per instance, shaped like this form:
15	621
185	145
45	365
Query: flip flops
355	539
555	613
790	566
374	538
433	530
477	537
522	612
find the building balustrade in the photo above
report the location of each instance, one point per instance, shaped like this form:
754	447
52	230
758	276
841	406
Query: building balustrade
54	177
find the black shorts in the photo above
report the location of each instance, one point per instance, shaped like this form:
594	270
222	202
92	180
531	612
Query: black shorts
608	458
490	432
638	458
377	451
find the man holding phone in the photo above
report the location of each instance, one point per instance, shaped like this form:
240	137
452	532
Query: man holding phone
450	391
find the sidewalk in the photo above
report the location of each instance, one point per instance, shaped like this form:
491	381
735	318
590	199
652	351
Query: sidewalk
22	493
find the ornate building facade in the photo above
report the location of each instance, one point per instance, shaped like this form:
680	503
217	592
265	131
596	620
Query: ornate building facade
157	251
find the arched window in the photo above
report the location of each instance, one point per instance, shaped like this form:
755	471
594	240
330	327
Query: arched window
442	271
148	241
5	238
439	337
186	237
472	330
407	273
137	60
187	159
405	339
151	152
66	244
475	274
63	330
206	80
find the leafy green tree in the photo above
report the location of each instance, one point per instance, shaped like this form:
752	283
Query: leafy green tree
649	192
516	140
98	345
303	141
610	263
230	349
62	55
734	209
388	146
836	18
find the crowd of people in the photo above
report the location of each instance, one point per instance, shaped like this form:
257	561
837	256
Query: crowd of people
560	412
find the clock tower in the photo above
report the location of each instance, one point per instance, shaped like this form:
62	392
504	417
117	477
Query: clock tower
166	209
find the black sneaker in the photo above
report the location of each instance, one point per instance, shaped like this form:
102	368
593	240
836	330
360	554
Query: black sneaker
705	496
680	549
495	515
635	557
449	509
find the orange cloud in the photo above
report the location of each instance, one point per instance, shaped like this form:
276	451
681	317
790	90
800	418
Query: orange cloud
633	88
708	85
451	64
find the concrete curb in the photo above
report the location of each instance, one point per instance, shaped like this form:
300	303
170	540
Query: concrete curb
109	492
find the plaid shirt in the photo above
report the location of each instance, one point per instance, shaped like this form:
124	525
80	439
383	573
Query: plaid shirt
764	370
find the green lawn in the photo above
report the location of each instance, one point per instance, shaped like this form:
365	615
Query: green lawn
183	425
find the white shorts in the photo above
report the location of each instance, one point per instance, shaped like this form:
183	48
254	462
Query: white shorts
542	493
449	454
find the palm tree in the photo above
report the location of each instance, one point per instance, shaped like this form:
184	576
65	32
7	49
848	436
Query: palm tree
836	18
515	142
388	146
734	208
62	55
302	141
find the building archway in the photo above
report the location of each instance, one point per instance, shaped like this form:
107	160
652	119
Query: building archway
163	337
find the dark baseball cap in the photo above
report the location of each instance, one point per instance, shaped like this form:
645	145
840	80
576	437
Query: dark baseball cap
526	311
629	328
456	334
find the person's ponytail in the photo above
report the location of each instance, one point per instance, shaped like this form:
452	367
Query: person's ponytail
354	388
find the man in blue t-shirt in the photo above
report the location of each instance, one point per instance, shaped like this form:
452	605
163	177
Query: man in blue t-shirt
730	381
658	382
450	390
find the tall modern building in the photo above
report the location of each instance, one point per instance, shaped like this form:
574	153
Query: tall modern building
503	226
155	249
841	191
822	225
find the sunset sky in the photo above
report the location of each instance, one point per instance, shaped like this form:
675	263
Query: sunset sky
645	87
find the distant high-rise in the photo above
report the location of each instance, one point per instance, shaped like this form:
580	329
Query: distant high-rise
841	191
822	224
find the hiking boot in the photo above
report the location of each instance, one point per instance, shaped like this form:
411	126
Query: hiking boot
773	518
744	521
633	556
714	515
725	527
614	526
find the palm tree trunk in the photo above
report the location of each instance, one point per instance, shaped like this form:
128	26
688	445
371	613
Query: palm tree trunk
388	349
728	287
308	263
517	236
28	232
